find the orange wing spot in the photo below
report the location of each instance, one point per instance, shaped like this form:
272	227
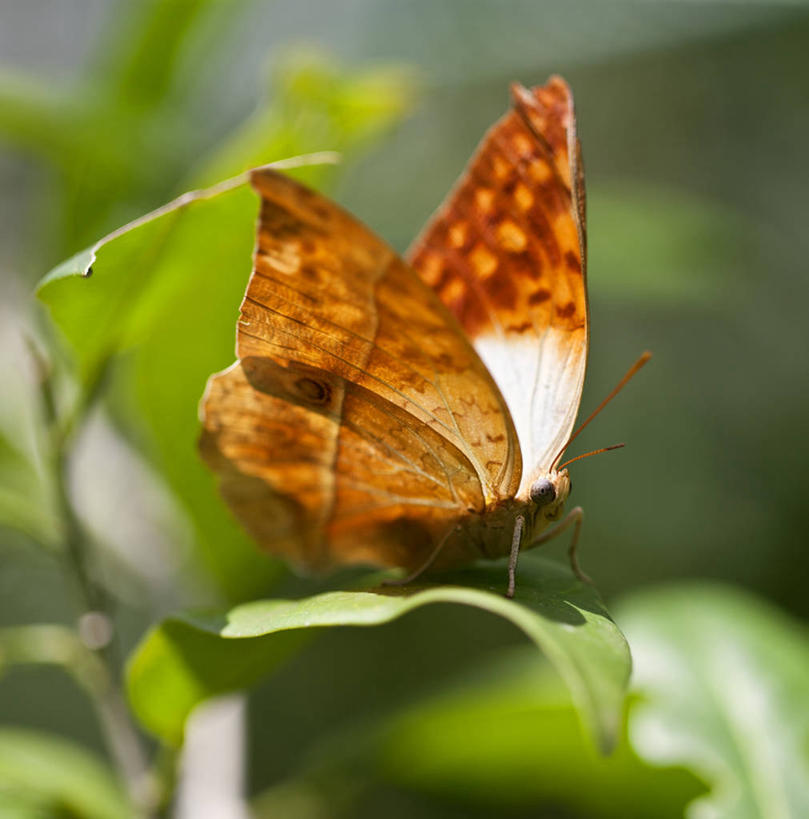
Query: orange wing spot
458	234
540	171
522	144
539	296
431	268
484	199
511	237
567	310
523	197
573	262
501	166
484	262
453	291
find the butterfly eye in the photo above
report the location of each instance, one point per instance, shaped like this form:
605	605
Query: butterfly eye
543	492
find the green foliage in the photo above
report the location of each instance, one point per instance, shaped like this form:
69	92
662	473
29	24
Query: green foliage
187	659
165	290
717	702
43	775
719	687
511	737
116	139
723	681
23	495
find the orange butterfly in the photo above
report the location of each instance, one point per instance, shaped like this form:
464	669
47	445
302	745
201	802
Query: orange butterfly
360	424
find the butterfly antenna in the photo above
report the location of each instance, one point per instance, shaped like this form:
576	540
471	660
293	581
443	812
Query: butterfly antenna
588	454
618	387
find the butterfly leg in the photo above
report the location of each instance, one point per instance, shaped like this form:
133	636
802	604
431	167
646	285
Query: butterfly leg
573	518
516	539
403	581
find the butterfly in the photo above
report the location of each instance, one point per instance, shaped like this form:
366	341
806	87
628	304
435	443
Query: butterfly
413	414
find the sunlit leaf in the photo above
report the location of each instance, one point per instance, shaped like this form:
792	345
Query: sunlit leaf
189	658
718	725
724	680
507	736
164	295
45	773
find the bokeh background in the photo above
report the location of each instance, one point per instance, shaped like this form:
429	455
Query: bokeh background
694	120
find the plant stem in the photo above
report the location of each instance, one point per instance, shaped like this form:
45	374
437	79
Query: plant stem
123	740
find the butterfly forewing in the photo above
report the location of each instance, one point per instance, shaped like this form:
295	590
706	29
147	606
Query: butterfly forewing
403	430
506	253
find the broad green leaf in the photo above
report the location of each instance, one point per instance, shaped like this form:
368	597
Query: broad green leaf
724	681
163	302
506	736
189	658
512	737
104	298
44	775
158	279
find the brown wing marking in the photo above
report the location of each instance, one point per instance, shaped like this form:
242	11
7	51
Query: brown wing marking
506	253
325	472
326	292
413	433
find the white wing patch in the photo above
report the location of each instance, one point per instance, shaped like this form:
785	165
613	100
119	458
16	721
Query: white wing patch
541	380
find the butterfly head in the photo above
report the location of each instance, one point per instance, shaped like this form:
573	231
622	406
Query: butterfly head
549	493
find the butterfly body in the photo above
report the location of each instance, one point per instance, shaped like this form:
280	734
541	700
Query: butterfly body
489	534
385	413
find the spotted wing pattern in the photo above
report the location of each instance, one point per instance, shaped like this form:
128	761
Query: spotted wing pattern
506	253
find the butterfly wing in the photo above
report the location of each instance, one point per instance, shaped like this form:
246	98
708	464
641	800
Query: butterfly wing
359	423
506	253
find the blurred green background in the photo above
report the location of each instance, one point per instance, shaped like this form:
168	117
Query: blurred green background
694	121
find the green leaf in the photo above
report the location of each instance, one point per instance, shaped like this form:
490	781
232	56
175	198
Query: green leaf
724	679
32	114
43	775
160	293
513	738
27	496
506	735
317	106
142	54
104	298
163	302
189	658
53	644
24	501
